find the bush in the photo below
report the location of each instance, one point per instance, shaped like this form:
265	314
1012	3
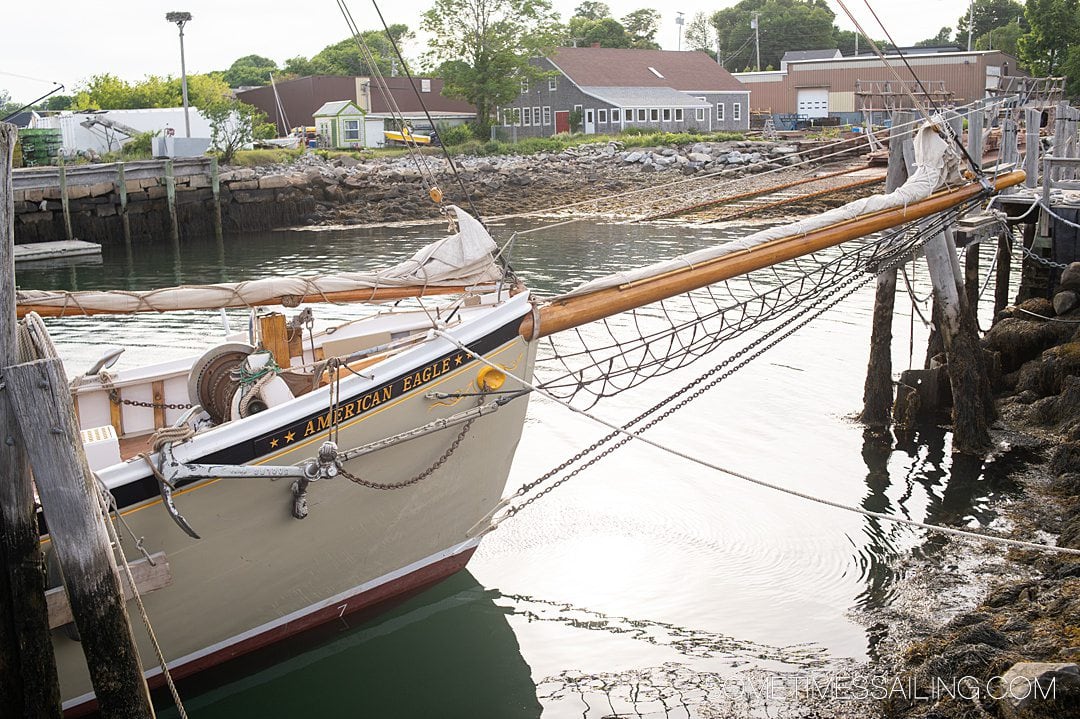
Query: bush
453	135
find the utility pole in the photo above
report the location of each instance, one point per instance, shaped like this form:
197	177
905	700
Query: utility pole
181	19
679	22
971	21
757	43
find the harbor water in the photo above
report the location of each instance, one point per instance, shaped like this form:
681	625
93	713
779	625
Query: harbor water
645	586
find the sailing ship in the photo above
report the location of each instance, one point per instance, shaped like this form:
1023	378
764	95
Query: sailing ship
288	477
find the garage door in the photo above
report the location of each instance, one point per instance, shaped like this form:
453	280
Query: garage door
814	101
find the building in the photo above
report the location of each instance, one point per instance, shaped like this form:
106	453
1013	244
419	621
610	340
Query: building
302	97
344	126
614	89
842	87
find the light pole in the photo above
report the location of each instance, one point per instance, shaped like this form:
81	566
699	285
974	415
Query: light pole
679	22
757	43
971	21
181	19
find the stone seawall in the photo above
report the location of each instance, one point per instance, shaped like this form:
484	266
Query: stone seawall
152	200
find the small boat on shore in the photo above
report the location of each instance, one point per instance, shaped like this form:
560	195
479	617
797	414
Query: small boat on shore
290	477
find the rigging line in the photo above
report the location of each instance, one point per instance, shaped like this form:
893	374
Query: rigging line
416	91
975	167
753	480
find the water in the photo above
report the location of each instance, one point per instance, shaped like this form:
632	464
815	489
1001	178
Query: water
647	584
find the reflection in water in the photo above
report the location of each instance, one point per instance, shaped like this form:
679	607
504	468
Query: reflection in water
450	647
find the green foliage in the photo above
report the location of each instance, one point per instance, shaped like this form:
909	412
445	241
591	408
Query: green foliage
942	38
250	70
1049	46
699	34
575	120
140	146
483	48
988	15
783	25
591	10
605	32
1002	38
641	25
347	58
451	135
259	158
108	92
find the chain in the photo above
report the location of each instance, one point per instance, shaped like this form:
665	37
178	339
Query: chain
115	399
418	478
792	325
1028	254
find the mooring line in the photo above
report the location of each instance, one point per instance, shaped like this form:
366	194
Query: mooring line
760	482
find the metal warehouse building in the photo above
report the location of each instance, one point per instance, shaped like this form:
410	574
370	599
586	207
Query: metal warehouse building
839	86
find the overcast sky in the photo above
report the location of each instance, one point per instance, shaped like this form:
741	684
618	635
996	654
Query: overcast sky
71	41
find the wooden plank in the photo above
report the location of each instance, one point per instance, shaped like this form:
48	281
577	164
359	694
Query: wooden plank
28	681
274	336
148	578
71	502
158	390
29	251
116	412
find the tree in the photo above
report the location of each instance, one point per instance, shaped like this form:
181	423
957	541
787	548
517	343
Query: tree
783	25
299	66
700	34
605	32
250	70
942	38
1001	38
1055	28
347	58
483	48
987	15
641	25
591	10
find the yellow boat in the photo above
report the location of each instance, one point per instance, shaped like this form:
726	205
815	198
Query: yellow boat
407	136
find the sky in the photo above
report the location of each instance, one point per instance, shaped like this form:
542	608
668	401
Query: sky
132	39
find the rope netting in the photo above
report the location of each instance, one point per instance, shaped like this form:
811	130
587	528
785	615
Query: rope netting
615	354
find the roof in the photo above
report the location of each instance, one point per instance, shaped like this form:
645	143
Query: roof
336	107
644	97
688	71
796	55
23	119
407	102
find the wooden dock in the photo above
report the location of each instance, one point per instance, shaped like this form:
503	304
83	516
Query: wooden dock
55	250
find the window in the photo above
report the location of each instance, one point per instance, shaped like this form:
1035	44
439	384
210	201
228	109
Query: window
667	114
736	111
352	130
654	115
425	85
615	115
641	114
577	108
517	116
553	84
699	114
526	116
536	116
547	115
678	114
719	111
524	85
601	116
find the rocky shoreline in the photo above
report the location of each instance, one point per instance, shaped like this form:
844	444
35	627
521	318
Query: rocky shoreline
978	629
348	191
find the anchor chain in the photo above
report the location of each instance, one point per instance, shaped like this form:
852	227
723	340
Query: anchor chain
418	478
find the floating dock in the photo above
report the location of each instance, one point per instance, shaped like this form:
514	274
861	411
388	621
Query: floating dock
60	249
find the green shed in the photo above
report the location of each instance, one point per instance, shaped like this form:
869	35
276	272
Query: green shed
340	124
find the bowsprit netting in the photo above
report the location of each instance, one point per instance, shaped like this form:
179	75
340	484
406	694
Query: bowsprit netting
620	352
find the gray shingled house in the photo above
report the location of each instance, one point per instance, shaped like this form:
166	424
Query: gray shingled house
616	89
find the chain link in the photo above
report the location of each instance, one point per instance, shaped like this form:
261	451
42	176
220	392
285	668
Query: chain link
418	478
154	405
1028	254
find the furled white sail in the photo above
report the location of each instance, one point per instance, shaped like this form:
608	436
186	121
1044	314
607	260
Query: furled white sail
465	258
937	164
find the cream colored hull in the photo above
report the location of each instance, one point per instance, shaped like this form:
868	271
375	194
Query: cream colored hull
258	574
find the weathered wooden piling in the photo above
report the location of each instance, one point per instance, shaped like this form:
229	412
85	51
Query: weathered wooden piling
65	202
38	392
170	198
215	188
972	278
878	388
121	191
28	682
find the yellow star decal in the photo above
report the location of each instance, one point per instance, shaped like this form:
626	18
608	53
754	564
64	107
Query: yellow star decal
274	443
457	360
290	436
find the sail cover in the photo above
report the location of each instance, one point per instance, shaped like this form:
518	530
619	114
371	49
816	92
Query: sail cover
937	164
461	259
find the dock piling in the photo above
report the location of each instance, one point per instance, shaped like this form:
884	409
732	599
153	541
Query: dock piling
121	190
71	500
28	681
65	202
170	199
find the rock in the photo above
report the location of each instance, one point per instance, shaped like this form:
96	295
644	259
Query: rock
648	167
1046	375
1066	301
699	148
1020	339
668	152
634	157
484	166
679	159
784	150
243	174
1066	458
1032	690
664	161
347	161
983	633
701	157
1070	277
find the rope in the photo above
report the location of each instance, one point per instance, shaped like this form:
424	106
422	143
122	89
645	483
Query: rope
760	482
170	435
115	538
